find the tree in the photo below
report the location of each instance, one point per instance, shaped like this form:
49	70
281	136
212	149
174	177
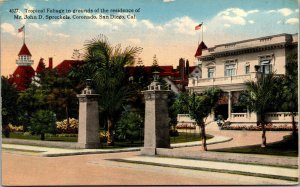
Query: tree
200	106
129	126
260	96
290	89
10	108
41	122
110	77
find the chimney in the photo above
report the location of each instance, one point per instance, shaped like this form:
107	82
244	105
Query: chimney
50	63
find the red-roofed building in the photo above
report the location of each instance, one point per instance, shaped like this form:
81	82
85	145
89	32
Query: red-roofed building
41	66
22	76
65	66
200	48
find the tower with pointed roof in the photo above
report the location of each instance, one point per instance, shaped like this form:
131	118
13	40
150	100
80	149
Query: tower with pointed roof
22	76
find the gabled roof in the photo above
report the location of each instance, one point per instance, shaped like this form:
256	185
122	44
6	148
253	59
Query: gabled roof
24	51
41	66
65	66
200	48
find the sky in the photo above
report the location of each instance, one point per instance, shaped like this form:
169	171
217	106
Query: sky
165	28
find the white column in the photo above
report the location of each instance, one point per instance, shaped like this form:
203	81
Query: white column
229	105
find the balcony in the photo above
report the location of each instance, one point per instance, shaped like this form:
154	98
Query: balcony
218	81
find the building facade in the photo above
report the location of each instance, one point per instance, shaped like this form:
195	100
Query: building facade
228	66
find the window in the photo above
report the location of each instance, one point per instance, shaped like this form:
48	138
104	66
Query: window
247	69
210	73
266	67
229	70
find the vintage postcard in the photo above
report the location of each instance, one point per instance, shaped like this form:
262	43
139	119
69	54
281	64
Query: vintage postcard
157	92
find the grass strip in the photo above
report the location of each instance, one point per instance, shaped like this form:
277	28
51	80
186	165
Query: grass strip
22	150
234	161
294	179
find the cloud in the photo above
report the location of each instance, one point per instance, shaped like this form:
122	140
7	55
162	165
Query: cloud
282	11
28	6
183	25
285	11
227	25
148	24
251	21
58	22
134	41
296	10
292	21
60	35
168	1
235	15
8	28
38	26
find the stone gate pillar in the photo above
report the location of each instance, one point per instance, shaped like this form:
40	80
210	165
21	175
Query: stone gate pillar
156	119
88	131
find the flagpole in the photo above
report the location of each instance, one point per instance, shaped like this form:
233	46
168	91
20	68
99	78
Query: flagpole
24	35
199	39
202	31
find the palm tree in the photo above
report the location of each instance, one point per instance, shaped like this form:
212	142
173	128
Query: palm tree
290	89
260	94
200	106
110	77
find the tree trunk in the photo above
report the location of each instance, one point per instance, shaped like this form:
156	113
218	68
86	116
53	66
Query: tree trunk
203	135
294	125
110	136
67	115
264	138
43	136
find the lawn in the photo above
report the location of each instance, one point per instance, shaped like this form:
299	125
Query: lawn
48	137
183	137
286	147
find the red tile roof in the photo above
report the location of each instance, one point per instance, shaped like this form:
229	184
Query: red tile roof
22	77
200	48
24	51
65	66
41	66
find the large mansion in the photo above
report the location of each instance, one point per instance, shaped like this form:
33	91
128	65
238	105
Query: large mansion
229	65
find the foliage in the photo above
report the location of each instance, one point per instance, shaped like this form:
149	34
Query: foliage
185	126
260	94
200	107
268	127
41	122
181	104
290	88
129	127
9	96
67	127
107	68
15	128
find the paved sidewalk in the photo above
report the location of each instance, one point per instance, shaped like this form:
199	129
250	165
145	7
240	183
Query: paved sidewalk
51	152
223	167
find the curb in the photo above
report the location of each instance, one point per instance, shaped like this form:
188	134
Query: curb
294	179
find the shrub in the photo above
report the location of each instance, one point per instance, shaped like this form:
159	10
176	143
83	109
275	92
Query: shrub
129	127
103	137
64	127
173	133
14	128
185	126
268	127
41	122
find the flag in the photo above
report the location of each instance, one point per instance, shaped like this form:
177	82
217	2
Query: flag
21	29
198	26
